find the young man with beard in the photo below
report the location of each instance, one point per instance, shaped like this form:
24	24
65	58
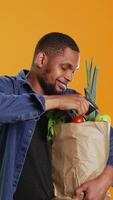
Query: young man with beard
25	155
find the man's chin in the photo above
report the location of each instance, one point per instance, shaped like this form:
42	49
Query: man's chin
54	92
59	90
50	90
59	93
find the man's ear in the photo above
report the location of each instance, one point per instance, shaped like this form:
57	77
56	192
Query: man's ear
40	59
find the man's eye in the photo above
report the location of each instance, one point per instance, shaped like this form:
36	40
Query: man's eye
63	67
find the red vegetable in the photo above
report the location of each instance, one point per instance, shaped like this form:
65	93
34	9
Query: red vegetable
78	119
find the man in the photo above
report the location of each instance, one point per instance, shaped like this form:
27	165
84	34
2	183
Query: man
25	155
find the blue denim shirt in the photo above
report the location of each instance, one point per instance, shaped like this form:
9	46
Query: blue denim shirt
20	108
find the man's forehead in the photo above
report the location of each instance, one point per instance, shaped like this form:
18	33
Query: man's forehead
74	64
69	57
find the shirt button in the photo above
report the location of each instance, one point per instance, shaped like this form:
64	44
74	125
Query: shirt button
30	131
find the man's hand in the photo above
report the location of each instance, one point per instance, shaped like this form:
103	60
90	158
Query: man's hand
67	102
96	189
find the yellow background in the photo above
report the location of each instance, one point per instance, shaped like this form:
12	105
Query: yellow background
23	22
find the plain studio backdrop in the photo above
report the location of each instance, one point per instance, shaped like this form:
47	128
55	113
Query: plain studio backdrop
22	23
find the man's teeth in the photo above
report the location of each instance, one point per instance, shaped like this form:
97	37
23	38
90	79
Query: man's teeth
64	86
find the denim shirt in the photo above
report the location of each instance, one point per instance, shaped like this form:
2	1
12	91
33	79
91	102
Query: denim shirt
20	108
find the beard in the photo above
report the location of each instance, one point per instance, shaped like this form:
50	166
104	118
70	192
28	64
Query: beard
49	89
43	79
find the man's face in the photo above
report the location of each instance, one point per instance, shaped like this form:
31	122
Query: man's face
58	72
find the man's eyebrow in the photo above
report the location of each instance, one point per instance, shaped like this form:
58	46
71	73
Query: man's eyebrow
71	65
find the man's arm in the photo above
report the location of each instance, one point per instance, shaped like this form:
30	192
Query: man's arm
20	107
67	102
30	106
96	189
27	106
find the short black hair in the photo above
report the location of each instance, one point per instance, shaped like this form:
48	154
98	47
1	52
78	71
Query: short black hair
54	43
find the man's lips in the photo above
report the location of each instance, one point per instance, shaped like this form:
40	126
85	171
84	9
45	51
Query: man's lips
62	85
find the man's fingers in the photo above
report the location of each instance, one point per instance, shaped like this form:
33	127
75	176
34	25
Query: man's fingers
80	196
82	106
81	190
74	102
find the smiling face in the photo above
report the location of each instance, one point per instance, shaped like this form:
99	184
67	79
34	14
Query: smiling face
57	71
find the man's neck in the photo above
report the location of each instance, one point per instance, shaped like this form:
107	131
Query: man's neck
32	79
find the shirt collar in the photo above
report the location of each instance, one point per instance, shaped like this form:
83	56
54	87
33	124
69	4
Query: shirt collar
21	76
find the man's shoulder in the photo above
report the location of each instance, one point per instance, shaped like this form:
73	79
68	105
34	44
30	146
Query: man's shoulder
8	84
7	79
11	80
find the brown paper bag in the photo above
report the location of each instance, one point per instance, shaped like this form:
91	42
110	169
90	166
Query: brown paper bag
79	153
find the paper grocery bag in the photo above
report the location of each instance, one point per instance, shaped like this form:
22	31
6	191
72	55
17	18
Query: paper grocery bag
79	153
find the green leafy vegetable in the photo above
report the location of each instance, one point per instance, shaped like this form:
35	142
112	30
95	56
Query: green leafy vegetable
90	90
55	117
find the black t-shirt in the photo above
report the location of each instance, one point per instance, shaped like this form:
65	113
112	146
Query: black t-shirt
35	181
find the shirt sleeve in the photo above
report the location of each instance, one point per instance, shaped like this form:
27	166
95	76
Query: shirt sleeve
21	107
15	106
110	159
